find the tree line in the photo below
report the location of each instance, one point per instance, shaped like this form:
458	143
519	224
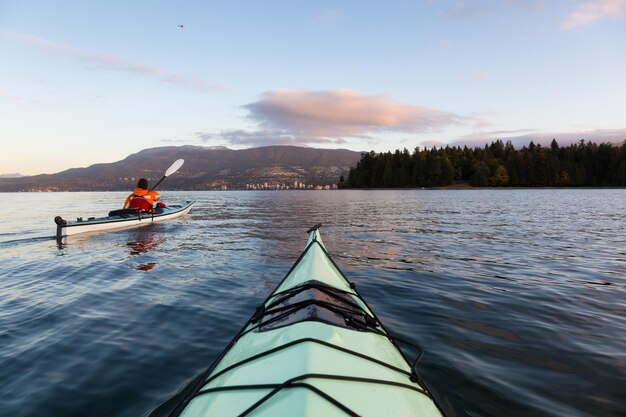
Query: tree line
499	164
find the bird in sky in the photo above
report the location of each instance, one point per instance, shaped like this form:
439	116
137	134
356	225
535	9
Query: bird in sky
181	26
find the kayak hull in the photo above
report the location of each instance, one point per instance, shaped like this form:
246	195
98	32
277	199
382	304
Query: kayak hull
69	228
313	348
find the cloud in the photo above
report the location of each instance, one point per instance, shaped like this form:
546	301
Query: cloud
240	137
302	117
523	137
117	63
519	137
585	12
431	143
591	11
342	113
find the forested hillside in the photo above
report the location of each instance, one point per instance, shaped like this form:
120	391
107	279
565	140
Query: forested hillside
204	169
495	165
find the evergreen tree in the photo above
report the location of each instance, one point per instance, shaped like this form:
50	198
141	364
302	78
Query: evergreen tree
500	177
447	171
496	164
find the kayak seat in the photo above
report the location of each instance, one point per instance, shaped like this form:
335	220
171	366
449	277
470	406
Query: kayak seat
140	203
123	212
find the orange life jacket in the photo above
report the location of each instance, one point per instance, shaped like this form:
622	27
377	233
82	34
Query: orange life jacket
150	195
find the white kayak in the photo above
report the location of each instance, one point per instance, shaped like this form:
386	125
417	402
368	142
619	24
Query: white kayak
119	219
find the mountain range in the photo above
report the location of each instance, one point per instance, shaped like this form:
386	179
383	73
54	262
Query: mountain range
204	169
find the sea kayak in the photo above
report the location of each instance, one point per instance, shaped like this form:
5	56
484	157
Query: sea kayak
313	348
119	219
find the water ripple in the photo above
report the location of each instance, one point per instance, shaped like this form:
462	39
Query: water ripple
516	296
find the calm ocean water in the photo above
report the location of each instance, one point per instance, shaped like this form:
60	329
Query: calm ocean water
518	297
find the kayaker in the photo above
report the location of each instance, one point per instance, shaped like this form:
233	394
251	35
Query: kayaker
142	198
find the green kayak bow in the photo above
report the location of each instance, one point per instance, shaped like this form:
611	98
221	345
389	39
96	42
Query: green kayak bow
313	348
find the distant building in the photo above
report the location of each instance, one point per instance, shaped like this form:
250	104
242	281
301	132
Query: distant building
295	185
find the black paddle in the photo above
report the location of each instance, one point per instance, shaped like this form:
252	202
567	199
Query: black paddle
172	169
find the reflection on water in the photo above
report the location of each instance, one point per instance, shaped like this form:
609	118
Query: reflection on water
146	239
147	266
516	296
139	247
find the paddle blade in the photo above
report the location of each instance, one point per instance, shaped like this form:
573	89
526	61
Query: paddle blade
174	167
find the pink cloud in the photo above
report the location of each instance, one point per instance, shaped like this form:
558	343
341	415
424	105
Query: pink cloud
522	137
344	112
594	10
117	63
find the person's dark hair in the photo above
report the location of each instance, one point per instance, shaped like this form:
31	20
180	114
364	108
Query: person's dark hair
142	183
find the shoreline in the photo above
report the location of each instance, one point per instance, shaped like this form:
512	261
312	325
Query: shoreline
450	187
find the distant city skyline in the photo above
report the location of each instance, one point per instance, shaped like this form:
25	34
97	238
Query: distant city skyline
84	83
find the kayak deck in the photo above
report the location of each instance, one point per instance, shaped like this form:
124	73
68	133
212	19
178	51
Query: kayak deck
94	224
313	348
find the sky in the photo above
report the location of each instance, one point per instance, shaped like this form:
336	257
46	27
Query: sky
92	82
